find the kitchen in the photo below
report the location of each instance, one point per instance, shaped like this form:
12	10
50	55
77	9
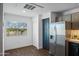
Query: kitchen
64	35
57	33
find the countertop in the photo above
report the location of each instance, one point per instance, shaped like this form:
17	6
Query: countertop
73	40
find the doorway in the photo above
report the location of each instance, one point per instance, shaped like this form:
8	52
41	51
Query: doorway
46	33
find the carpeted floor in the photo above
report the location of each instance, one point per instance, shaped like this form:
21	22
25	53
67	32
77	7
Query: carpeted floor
27	51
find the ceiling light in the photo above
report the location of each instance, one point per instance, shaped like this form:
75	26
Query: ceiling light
24	11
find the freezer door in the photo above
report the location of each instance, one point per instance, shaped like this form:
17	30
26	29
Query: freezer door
52	41
60	39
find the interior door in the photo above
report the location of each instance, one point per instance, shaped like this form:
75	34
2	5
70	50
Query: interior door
46	33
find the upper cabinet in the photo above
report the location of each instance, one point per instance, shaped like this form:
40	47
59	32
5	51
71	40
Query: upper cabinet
75	21
67	17
75	25
72	18
60	18
75	17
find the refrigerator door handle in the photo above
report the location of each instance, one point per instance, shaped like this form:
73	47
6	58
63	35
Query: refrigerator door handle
55	31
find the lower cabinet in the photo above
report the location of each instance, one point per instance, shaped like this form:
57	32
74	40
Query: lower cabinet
73	49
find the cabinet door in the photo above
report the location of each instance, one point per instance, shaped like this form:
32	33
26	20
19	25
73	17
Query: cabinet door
73	49
60	18
75	25
75	17
67	17
75	21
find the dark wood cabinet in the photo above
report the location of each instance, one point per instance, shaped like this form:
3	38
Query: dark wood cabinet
75	21
75	25
60	18
67	17
75	17
73	49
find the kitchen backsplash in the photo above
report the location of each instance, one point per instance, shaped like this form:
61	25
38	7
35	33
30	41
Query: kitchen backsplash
75	34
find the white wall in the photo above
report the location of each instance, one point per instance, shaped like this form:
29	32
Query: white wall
37	32
12	42
71	11
40	32
46	15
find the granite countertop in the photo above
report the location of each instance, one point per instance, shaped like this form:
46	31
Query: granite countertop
73	40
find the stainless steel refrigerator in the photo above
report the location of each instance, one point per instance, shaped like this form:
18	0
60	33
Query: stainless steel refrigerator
57	38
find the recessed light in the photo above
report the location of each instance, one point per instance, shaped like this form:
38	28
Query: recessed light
24	11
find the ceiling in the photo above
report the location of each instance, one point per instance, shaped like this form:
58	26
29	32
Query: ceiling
18	8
